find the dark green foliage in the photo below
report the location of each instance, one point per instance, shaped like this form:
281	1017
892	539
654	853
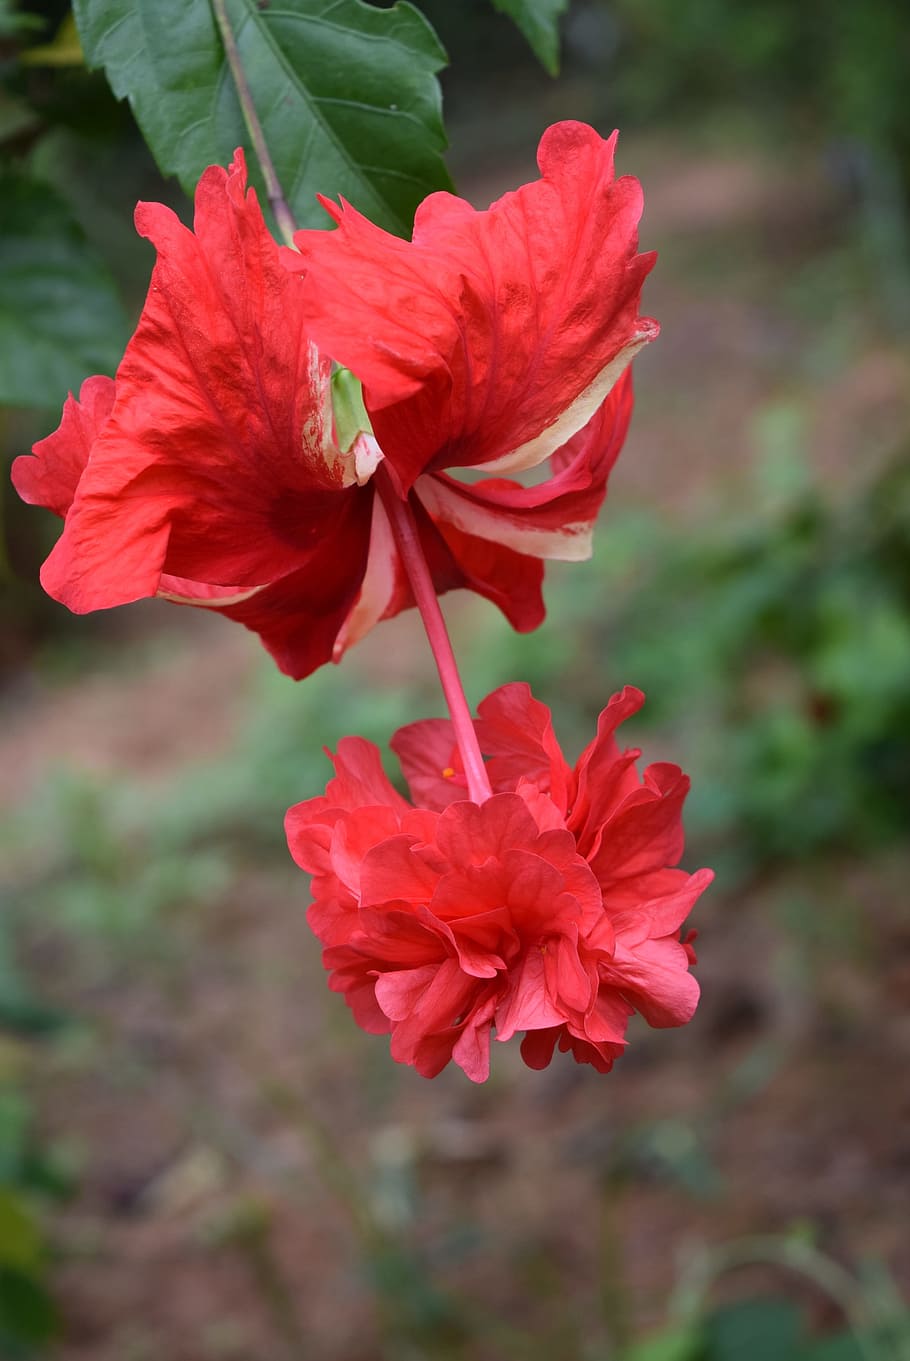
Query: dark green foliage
28	1318
834	72
13	22
60	317
539	22
755	1330
28	1174
789	643
346	94
752	1330
833	66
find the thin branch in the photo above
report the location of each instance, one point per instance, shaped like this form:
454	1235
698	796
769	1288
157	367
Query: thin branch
283	215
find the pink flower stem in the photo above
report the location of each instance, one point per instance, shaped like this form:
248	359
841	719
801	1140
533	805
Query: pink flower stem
407	537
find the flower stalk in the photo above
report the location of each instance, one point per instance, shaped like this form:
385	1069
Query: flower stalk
279	204
407	538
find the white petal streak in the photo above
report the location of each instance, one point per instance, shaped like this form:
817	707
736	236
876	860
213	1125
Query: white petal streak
367	457
318	446
568	543
379	587
185	592
574	417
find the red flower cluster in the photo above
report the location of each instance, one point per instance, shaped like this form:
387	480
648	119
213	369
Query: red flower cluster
217	470
211	471
551	908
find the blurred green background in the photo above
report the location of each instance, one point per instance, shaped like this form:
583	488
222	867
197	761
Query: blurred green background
200	1156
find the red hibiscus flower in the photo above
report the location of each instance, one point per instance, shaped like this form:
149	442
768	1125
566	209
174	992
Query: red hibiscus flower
552	908
211	471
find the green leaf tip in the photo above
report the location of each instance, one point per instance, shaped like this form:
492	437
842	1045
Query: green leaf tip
538	20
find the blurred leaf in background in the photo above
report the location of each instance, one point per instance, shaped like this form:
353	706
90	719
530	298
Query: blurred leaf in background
31	1176
539	22
60	314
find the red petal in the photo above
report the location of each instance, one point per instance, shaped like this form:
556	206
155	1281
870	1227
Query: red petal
358	988
493	336
360	778
400	992
50	474
354	837
511	580
469	834
299	616
516	731
555	518
431	762
215	464
402	939
392	871
384	590
538	1045
471	1050
646	834
656	914
527	1004
655	979
604	777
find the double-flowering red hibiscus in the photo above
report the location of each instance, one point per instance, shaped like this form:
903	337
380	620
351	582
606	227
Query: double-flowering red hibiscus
212	470
551	908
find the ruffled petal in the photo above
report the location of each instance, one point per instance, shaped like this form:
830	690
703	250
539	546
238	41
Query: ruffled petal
216	464
516	731
492	337
470	834
655	979
431	762
646	833
360	778
394	871
604	777
50	474
553	519
527	1004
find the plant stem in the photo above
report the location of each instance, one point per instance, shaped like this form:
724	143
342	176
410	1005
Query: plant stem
829	1276
279	204
407	537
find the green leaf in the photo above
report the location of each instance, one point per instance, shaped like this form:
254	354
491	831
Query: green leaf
27	1314
754	1330
843	1347
12	22
539	22
346	94
15	116
20	1241
60	317
681	1343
